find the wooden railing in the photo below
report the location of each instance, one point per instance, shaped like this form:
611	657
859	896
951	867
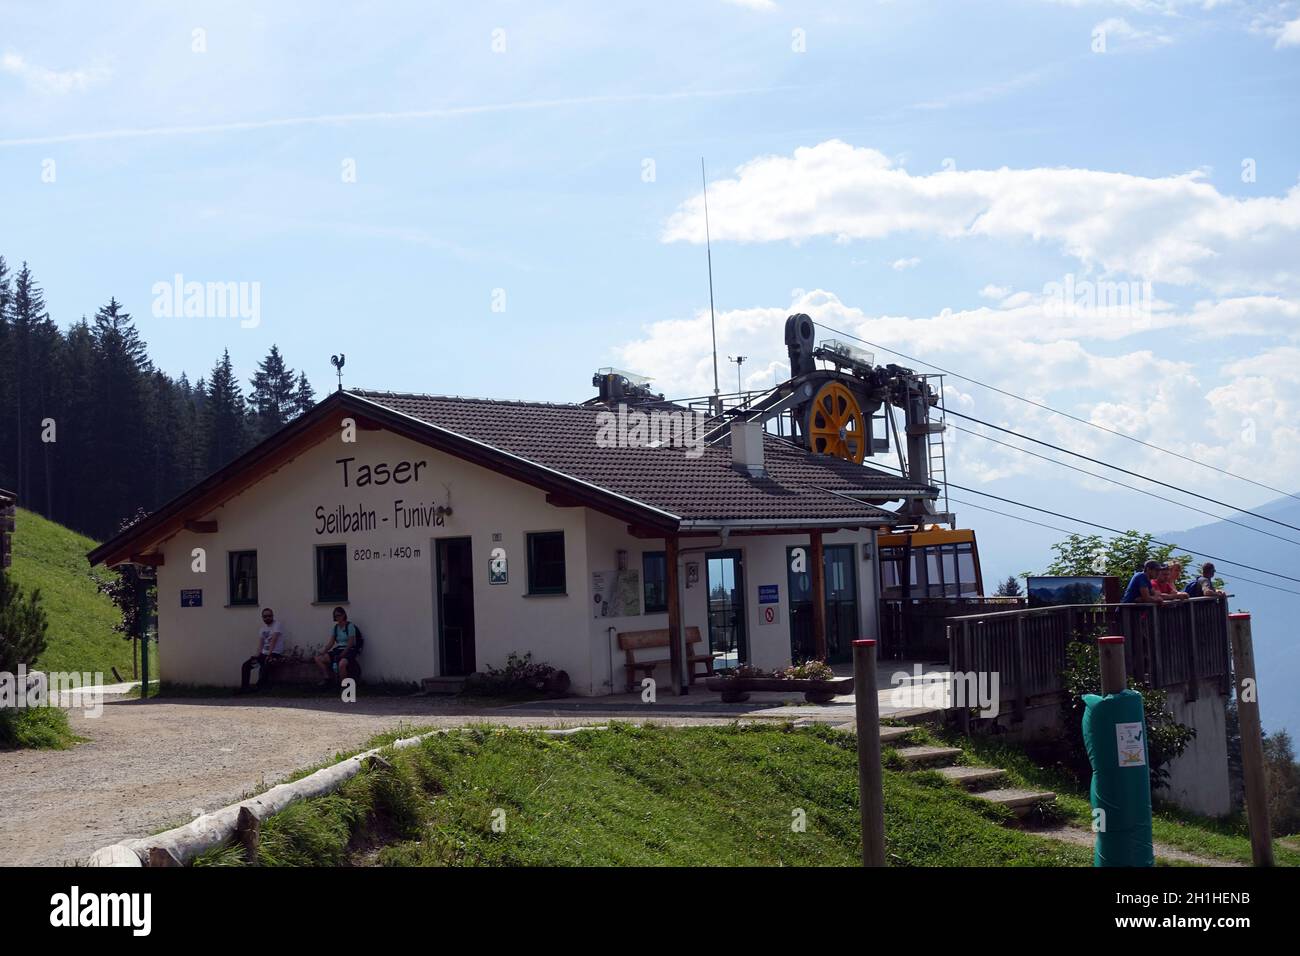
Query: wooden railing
917	629
1177	642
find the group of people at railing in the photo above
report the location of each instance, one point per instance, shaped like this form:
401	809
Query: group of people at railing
1157	583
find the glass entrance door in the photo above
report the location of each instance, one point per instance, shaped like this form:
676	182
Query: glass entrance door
726	589
841	602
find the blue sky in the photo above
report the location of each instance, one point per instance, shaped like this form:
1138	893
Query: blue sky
919	173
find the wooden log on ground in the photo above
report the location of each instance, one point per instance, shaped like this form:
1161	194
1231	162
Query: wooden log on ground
115	855
178	846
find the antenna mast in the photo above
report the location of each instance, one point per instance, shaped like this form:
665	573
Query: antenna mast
713	322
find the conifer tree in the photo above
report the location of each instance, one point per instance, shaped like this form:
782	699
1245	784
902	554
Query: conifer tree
304	397
121	437
224	424
272	400
35	344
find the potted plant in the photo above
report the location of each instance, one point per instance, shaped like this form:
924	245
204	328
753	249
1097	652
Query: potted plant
733	683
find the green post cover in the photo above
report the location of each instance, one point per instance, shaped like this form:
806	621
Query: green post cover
1115	733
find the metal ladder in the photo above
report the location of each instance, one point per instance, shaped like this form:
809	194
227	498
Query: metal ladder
935	440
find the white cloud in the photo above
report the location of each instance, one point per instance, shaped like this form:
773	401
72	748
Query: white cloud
1177	229
1190	402
910	263
45	80
1289	34
753	4
1129	36
991	291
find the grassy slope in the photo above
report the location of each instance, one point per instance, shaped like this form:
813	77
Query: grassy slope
53	558
639	796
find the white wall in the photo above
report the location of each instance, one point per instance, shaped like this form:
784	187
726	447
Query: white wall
765	563
392	596
605	538
392	599
1198	778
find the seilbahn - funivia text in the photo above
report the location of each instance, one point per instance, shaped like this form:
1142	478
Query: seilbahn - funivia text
343	520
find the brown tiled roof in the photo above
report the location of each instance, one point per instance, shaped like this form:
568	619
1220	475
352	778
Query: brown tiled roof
553	447
562	438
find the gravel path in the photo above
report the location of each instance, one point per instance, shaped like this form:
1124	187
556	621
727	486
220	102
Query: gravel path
1163	851
151	766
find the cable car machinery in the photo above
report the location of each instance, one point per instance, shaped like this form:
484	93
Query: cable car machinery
844	408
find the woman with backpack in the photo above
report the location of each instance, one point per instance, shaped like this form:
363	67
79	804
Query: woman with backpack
341	651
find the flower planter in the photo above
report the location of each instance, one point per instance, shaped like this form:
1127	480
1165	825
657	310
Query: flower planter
737	689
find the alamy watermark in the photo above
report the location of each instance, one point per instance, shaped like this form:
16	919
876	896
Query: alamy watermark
178	299
659	428
26	690
941	690
1084	297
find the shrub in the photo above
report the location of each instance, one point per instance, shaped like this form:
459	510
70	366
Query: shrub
519	677
1166	738
36	727
807	670
22	626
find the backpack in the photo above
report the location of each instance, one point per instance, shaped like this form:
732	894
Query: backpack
1194	589
361	641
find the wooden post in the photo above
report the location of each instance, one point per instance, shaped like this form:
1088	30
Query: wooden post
1018	668
1252	740
1194	659
1157	674
248	833
161	856
674	614
817	567
871	796
964	665
143	579
905	606
1114	674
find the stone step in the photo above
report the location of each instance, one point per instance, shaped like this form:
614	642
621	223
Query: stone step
887	734
917	715
970	777
1020	802
928	756
891	734
442	685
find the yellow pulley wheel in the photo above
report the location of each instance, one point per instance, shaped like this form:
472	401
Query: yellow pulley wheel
835	424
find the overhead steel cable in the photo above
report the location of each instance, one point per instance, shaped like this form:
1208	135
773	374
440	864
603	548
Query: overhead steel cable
1133	474
1122	484
1052	527
1056	411
1057	514
1164	544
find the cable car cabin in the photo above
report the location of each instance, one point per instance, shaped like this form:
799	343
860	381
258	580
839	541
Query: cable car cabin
944	564
925	577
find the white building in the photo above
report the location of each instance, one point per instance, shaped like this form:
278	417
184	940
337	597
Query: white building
456	531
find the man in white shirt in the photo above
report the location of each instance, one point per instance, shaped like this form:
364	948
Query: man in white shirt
270	646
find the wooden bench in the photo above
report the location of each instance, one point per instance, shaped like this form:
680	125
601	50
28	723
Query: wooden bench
632	641
297	671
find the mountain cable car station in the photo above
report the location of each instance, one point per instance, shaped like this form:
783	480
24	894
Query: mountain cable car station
621	537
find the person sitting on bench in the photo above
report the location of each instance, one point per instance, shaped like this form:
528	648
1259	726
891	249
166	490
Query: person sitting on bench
342	650
270	645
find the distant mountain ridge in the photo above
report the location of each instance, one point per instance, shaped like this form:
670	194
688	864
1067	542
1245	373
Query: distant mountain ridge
1273	613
